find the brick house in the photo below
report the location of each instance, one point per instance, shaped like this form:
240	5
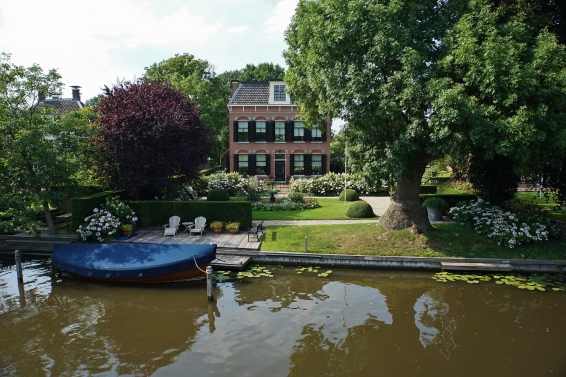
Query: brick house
266	138
62	105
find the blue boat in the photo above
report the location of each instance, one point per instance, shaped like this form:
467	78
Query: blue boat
136	262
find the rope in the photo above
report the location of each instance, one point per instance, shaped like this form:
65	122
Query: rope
198	266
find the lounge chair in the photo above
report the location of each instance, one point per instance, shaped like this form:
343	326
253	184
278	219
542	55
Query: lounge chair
200	223
172	227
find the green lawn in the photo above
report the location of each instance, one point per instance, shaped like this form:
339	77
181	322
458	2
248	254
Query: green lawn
330	209
449	240
533	197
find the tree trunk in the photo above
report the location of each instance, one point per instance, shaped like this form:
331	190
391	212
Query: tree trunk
405	209
49	219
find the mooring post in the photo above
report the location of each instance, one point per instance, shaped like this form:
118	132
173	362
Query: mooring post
209	286
306	244
19	267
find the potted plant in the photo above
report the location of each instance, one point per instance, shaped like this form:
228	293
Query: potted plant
127	229
233	227
271	194
217	226
435	207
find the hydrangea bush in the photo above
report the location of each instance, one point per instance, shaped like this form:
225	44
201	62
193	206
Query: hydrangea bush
504	227
332	184
180	193
101	227
123	212
233	183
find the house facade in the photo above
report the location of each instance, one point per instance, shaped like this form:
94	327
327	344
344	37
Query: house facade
267	138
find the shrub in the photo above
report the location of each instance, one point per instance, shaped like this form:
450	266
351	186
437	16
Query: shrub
351	195
216	224
101	227
122	211
180	193
506	228
331	184
286	205
495	180
218	195
359	210
435	202
296	197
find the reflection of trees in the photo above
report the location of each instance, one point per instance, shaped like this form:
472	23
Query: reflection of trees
91	328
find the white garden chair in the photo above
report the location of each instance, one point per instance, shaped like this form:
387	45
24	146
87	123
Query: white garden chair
200	223
172	227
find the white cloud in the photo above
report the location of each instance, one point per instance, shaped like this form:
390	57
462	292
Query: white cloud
237	29
284	11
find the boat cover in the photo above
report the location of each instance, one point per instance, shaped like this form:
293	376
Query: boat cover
135	260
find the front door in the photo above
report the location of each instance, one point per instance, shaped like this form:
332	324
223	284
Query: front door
280	171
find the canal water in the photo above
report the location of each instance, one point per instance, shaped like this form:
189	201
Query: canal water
349	323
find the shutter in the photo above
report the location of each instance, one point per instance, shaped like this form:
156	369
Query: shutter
289	130
323	172
251	164
235	136
236	163
308	134
251	130
270	131
268	164
323	131
308	164
292	164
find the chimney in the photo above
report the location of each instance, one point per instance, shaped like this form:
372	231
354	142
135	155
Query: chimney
76	93
235	84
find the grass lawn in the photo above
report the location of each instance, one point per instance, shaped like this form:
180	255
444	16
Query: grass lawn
330	209
449	240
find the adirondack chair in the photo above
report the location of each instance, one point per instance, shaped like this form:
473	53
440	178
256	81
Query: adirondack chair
200	223
171	228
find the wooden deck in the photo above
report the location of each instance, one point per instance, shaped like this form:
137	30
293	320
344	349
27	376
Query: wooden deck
222	240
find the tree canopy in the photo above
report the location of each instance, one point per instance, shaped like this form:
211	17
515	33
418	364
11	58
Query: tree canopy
151	135
198	81
41	158
419	79
252	72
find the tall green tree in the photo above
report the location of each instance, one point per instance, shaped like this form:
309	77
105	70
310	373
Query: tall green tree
198	81
41	154
252	72
419	79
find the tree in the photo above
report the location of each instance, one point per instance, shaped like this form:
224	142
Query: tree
151	135
198	81
251	72
40	159
417	80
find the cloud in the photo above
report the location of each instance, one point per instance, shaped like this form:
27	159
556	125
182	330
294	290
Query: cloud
284	11
237	29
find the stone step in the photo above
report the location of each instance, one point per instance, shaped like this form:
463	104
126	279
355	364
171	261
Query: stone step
461	266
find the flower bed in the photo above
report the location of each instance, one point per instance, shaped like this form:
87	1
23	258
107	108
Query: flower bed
332	184
506	228
286	205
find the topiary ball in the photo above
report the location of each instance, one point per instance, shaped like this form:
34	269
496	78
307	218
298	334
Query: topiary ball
359	210
218	195
351	195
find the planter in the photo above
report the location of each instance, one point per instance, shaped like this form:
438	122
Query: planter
217	230
435	214
126	233
234	230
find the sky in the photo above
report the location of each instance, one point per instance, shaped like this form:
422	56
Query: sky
97	42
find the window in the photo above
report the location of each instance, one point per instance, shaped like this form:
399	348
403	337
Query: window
299	164
279	93
279	131
260	131
261	163
316	133
316	163
298	132
243	163
243	131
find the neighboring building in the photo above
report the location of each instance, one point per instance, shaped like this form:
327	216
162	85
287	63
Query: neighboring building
266	138
62	105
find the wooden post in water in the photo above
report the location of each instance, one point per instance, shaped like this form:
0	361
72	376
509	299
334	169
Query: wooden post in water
19	267
209	284
306	244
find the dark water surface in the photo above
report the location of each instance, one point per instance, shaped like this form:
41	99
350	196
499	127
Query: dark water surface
352	323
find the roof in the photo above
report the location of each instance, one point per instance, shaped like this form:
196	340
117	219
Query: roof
63	105
251	92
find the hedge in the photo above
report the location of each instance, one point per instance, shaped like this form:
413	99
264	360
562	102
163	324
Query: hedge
83	206
428	189
451	199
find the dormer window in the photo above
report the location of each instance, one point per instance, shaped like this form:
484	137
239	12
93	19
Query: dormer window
279	93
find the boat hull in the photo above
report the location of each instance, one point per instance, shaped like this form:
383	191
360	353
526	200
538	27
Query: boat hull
134	263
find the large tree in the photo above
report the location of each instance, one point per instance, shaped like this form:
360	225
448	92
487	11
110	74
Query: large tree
252	72
198	81
151	135
419	79
40	153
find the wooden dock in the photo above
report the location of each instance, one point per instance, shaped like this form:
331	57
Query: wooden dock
450	266
230	262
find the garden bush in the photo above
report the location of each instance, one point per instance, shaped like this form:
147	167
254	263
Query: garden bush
359	210
296	197
351	195
218	195
331	184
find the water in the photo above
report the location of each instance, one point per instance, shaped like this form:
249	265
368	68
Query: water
352	323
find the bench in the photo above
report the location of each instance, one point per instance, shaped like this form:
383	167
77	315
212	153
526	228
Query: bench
255	230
